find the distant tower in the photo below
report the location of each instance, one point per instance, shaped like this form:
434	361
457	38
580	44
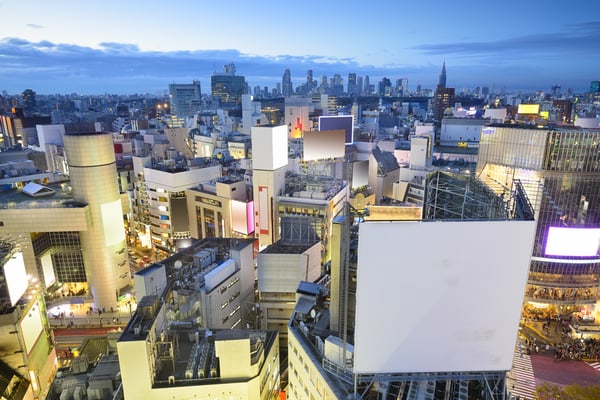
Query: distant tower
93	172
442	81
444	97
286	83
367	87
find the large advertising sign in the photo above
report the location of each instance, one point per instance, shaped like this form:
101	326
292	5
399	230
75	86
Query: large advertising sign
572	242
440	296
324	145
337	122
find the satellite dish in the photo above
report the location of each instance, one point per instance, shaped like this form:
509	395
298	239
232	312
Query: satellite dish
177	264
312	313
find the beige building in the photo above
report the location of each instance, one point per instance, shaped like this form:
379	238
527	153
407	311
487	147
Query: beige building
280	268
221	208
160	358
70	230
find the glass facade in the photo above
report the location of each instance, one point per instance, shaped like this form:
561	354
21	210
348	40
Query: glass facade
66	255
561	172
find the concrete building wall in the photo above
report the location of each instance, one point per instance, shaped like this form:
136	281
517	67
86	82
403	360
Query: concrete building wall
93	173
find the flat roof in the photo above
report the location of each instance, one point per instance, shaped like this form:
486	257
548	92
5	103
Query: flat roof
15	198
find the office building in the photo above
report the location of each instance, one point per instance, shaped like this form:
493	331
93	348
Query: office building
17	129
305	209
166	183
184	99
286	83
560	169
221	208
227	87
444	99
280	268
352	85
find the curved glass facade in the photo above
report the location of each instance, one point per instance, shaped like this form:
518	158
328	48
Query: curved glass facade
561	172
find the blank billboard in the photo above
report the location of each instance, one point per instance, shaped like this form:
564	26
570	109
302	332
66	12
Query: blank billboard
31	327
337	122
322	145
440	296
242	217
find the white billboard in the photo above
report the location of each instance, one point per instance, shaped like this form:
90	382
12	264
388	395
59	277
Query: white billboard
16	277
31	327
440	296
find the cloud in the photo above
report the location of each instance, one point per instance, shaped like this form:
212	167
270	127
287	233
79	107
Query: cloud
67	67
49	67
573	39
35	26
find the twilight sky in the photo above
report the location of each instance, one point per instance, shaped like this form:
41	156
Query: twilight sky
134	46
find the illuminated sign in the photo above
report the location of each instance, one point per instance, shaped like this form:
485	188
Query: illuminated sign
528	109
572	242
16	277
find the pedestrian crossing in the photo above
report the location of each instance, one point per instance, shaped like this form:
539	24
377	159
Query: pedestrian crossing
520	381
595	365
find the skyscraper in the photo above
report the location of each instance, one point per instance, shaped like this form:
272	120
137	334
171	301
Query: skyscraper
286	83
228	87
352	88
444	97
442	82
367	87
29	104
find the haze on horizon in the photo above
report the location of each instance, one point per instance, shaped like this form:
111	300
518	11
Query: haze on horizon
136	47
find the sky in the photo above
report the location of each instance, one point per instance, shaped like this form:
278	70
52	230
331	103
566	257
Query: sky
127	47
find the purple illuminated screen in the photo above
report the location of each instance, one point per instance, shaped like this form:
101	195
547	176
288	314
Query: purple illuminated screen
574	242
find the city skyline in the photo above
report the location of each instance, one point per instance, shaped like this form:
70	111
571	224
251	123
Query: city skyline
65	47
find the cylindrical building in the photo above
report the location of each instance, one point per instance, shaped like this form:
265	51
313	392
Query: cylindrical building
92	168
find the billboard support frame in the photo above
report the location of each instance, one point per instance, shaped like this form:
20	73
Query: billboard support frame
494	382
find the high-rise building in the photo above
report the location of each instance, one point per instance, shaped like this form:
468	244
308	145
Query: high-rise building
228	87
29	103
442	81
385	87
13	128
560	169
286	83
595	91
359	85
185	98
444	98
352	86
367	87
